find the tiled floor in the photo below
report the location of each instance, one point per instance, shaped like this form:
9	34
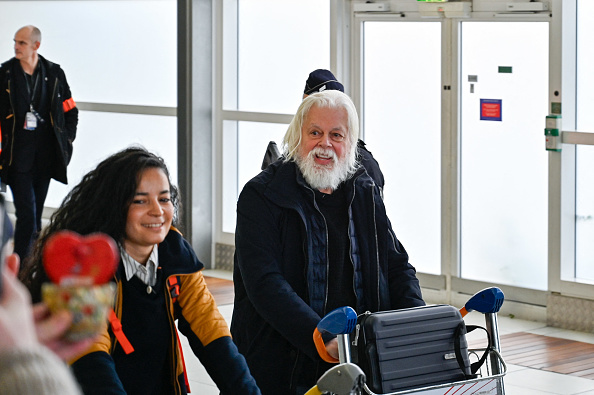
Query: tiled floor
518	380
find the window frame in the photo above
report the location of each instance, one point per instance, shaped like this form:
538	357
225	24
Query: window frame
339	54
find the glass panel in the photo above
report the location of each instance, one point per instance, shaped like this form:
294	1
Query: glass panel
402	128
132	61
280	43
584	207
246	141
95	141
584	226
503	158
585	65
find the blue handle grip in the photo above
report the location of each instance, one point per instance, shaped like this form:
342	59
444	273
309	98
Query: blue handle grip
339	321
489	300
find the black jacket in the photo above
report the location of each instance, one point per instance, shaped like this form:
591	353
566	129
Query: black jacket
281	265
105	369
63	116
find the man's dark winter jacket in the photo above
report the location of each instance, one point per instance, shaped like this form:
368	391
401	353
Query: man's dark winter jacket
63	115
281	270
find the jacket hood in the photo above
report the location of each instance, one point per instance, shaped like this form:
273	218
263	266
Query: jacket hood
179	251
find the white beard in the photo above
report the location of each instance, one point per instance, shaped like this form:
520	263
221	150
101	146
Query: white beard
323	176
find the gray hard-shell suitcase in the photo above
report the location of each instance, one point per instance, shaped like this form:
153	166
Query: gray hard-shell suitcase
411	348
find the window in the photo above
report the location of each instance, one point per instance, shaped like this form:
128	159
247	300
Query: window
131	63
269	49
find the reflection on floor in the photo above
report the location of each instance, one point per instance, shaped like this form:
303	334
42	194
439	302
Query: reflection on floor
221	289
541	360
550	354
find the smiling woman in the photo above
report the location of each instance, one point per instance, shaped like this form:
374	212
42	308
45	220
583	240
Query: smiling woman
129	196
149	216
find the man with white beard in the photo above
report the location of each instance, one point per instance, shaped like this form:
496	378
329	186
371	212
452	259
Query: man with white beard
312	235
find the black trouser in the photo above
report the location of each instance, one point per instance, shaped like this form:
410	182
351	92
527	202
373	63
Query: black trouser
29	191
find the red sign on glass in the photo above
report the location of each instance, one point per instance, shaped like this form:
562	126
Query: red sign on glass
490	109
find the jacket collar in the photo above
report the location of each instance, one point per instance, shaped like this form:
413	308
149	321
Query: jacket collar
11	63
176	257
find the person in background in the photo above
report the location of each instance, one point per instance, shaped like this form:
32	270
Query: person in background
129	196
31	338
312	235
38	121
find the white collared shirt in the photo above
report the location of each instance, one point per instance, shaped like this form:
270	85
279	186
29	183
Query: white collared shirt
147	274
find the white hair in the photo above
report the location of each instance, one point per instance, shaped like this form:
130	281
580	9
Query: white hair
325	99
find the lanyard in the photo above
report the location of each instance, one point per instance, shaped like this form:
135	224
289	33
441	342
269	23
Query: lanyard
31	93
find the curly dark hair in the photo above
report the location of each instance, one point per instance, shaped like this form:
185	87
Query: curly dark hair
99	203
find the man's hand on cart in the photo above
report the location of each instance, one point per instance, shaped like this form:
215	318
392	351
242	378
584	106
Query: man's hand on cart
332	348
341	322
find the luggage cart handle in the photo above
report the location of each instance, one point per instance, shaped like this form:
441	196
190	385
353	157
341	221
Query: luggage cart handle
488	300
340	321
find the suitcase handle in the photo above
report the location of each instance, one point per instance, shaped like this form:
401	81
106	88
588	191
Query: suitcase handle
475	366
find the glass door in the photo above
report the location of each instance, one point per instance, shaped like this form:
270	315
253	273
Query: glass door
584	216
402	128
503	161
583	268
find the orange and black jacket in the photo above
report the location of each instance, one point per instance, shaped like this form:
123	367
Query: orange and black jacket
63	115
148	322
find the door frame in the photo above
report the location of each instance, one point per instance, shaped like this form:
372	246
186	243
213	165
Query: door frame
448	286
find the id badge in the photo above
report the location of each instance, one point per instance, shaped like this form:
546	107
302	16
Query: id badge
30	121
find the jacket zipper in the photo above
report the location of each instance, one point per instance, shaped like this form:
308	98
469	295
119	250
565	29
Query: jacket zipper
327	258
13	124
376	243
52	103
377	263
349	211
175	351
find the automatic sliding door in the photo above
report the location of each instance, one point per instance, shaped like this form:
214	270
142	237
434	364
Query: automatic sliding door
504	167
402	128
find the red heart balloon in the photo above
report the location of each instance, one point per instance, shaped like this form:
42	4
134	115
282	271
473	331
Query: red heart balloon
71	258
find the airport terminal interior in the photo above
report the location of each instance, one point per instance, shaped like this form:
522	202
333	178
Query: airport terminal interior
478	112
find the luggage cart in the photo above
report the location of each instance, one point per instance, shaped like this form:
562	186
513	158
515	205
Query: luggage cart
346	378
